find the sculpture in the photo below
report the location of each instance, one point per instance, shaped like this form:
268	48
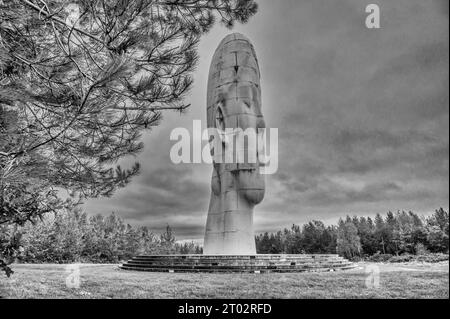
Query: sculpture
234	101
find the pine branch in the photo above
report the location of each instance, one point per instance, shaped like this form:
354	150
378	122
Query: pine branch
52	17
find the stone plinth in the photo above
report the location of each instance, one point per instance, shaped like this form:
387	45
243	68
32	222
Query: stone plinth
238	263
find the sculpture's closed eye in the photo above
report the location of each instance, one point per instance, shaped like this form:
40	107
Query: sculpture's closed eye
220	122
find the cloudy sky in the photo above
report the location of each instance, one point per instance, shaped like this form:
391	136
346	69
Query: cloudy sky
362	114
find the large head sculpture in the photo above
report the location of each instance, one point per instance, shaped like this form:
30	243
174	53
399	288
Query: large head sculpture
234	109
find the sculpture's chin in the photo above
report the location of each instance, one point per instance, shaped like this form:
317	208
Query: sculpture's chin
251	185
253	196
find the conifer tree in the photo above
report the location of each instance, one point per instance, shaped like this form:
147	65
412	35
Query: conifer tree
81	81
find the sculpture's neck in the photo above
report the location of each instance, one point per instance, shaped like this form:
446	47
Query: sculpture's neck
229	227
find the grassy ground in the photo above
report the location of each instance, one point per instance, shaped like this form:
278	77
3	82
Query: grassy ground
409	280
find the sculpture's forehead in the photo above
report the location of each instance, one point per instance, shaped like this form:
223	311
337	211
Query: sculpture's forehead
234	71
231	44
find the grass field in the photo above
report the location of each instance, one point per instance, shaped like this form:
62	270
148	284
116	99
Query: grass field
409	280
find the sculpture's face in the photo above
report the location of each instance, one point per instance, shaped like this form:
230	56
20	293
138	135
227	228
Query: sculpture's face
234	102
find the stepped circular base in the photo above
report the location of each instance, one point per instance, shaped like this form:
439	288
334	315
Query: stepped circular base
237	263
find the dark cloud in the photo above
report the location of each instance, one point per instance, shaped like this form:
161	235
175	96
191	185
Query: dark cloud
442	6
336	193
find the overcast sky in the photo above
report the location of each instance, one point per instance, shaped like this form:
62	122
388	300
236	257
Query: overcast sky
363	119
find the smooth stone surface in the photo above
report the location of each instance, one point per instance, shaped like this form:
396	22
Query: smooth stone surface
234	101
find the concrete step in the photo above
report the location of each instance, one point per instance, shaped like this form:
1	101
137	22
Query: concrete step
193	260
237	263
241	270
233	260
234	267
240	257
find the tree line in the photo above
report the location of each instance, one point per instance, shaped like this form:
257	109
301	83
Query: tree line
72	236
394	234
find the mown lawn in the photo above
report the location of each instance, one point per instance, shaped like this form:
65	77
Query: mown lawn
409	280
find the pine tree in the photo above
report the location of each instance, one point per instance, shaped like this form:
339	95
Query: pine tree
81	82
366	234
438	231
348	241
77	91
380	233
167	241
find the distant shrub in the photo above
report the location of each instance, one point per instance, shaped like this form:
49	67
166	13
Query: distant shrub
429	258
432	258
357	259
401	259
380	257
420	249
